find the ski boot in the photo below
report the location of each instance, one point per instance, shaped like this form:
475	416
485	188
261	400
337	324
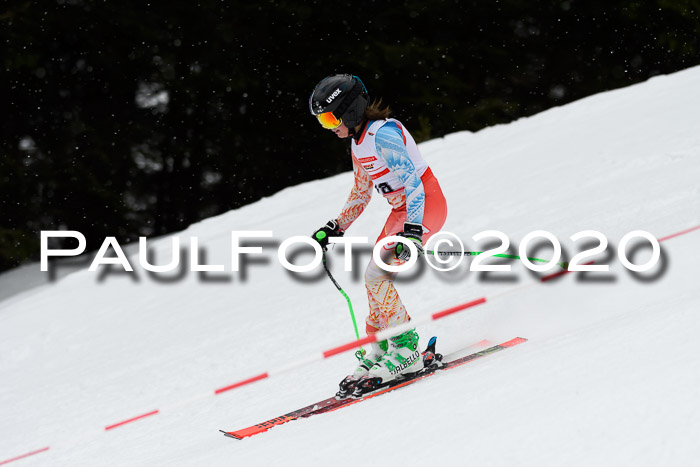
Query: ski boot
366	361
402	360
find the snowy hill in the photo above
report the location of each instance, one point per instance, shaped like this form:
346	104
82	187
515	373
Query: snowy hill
610	374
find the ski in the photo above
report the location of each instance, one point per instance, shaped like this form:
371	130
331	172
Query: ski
331	404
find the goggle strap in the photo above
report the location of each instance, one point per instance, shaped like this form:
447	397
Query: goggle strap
352	95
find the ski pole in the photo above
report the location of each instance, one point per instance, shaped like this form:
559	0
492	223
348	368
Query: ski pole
340	289
563	264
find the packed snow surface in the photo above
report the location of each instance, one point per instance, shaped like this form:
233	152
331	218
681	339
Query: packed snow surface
610	374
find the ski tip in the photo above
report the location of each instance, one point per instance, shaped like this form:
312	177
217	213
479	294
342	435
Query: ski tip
513	342
229	435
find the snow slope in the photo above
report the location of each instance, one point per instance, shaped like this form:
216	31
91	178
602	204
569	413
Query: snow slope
610	374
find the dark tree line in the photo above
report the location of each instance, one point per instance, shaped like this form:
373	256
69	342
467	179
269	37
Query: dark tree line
128	118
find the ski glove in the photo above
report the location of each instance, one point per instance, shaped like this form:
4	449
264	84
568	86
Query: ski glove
331	229
413	232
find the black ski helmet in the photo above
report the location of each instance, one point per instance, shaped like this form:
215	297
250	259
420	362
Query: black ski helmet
344	95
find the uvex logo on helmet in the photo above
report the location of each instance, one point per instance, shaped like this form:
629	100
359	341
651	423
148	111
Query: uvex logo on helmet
333	96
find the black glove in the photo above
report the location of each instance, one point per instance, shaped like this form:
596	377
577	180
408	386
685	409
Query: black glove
331	229
413	232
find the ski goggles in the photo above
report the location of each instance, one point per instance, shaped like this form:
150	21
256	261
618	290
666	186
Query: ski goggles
328	120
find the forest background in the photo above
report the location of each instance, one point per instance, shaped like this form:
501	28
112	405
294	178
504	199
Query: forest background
136	118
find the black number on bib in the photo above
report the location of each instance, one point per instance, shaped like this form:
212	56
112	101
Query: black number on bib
384	188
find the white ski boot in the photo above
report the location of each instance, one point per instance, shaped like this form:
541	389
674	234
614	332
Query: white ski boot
376	351
366	360
403	357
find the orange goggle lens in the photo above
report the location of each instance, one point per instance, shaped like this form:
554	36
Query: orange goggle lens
328	120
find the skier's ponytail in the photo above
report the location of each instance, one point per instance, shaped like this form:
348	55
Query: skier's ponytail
375	111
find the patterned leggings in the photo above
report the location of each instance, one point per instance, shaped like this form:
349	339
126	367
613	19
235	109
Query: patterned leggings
385	307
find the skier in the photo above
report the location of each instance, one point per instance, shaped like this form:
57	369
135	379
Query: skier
384	155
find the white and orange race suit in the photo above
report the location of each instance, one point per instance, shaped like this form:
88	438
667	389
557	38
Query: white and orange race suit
386	157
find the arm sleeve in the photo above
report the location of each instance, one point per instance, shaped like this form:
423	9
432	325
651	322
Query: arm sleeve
391	148
359	197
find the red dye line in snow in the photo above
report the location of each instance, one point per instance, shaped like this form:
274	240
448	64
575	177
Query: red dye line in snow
24	455
455	309
242	383
133	419
678	234
561	273
349	345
